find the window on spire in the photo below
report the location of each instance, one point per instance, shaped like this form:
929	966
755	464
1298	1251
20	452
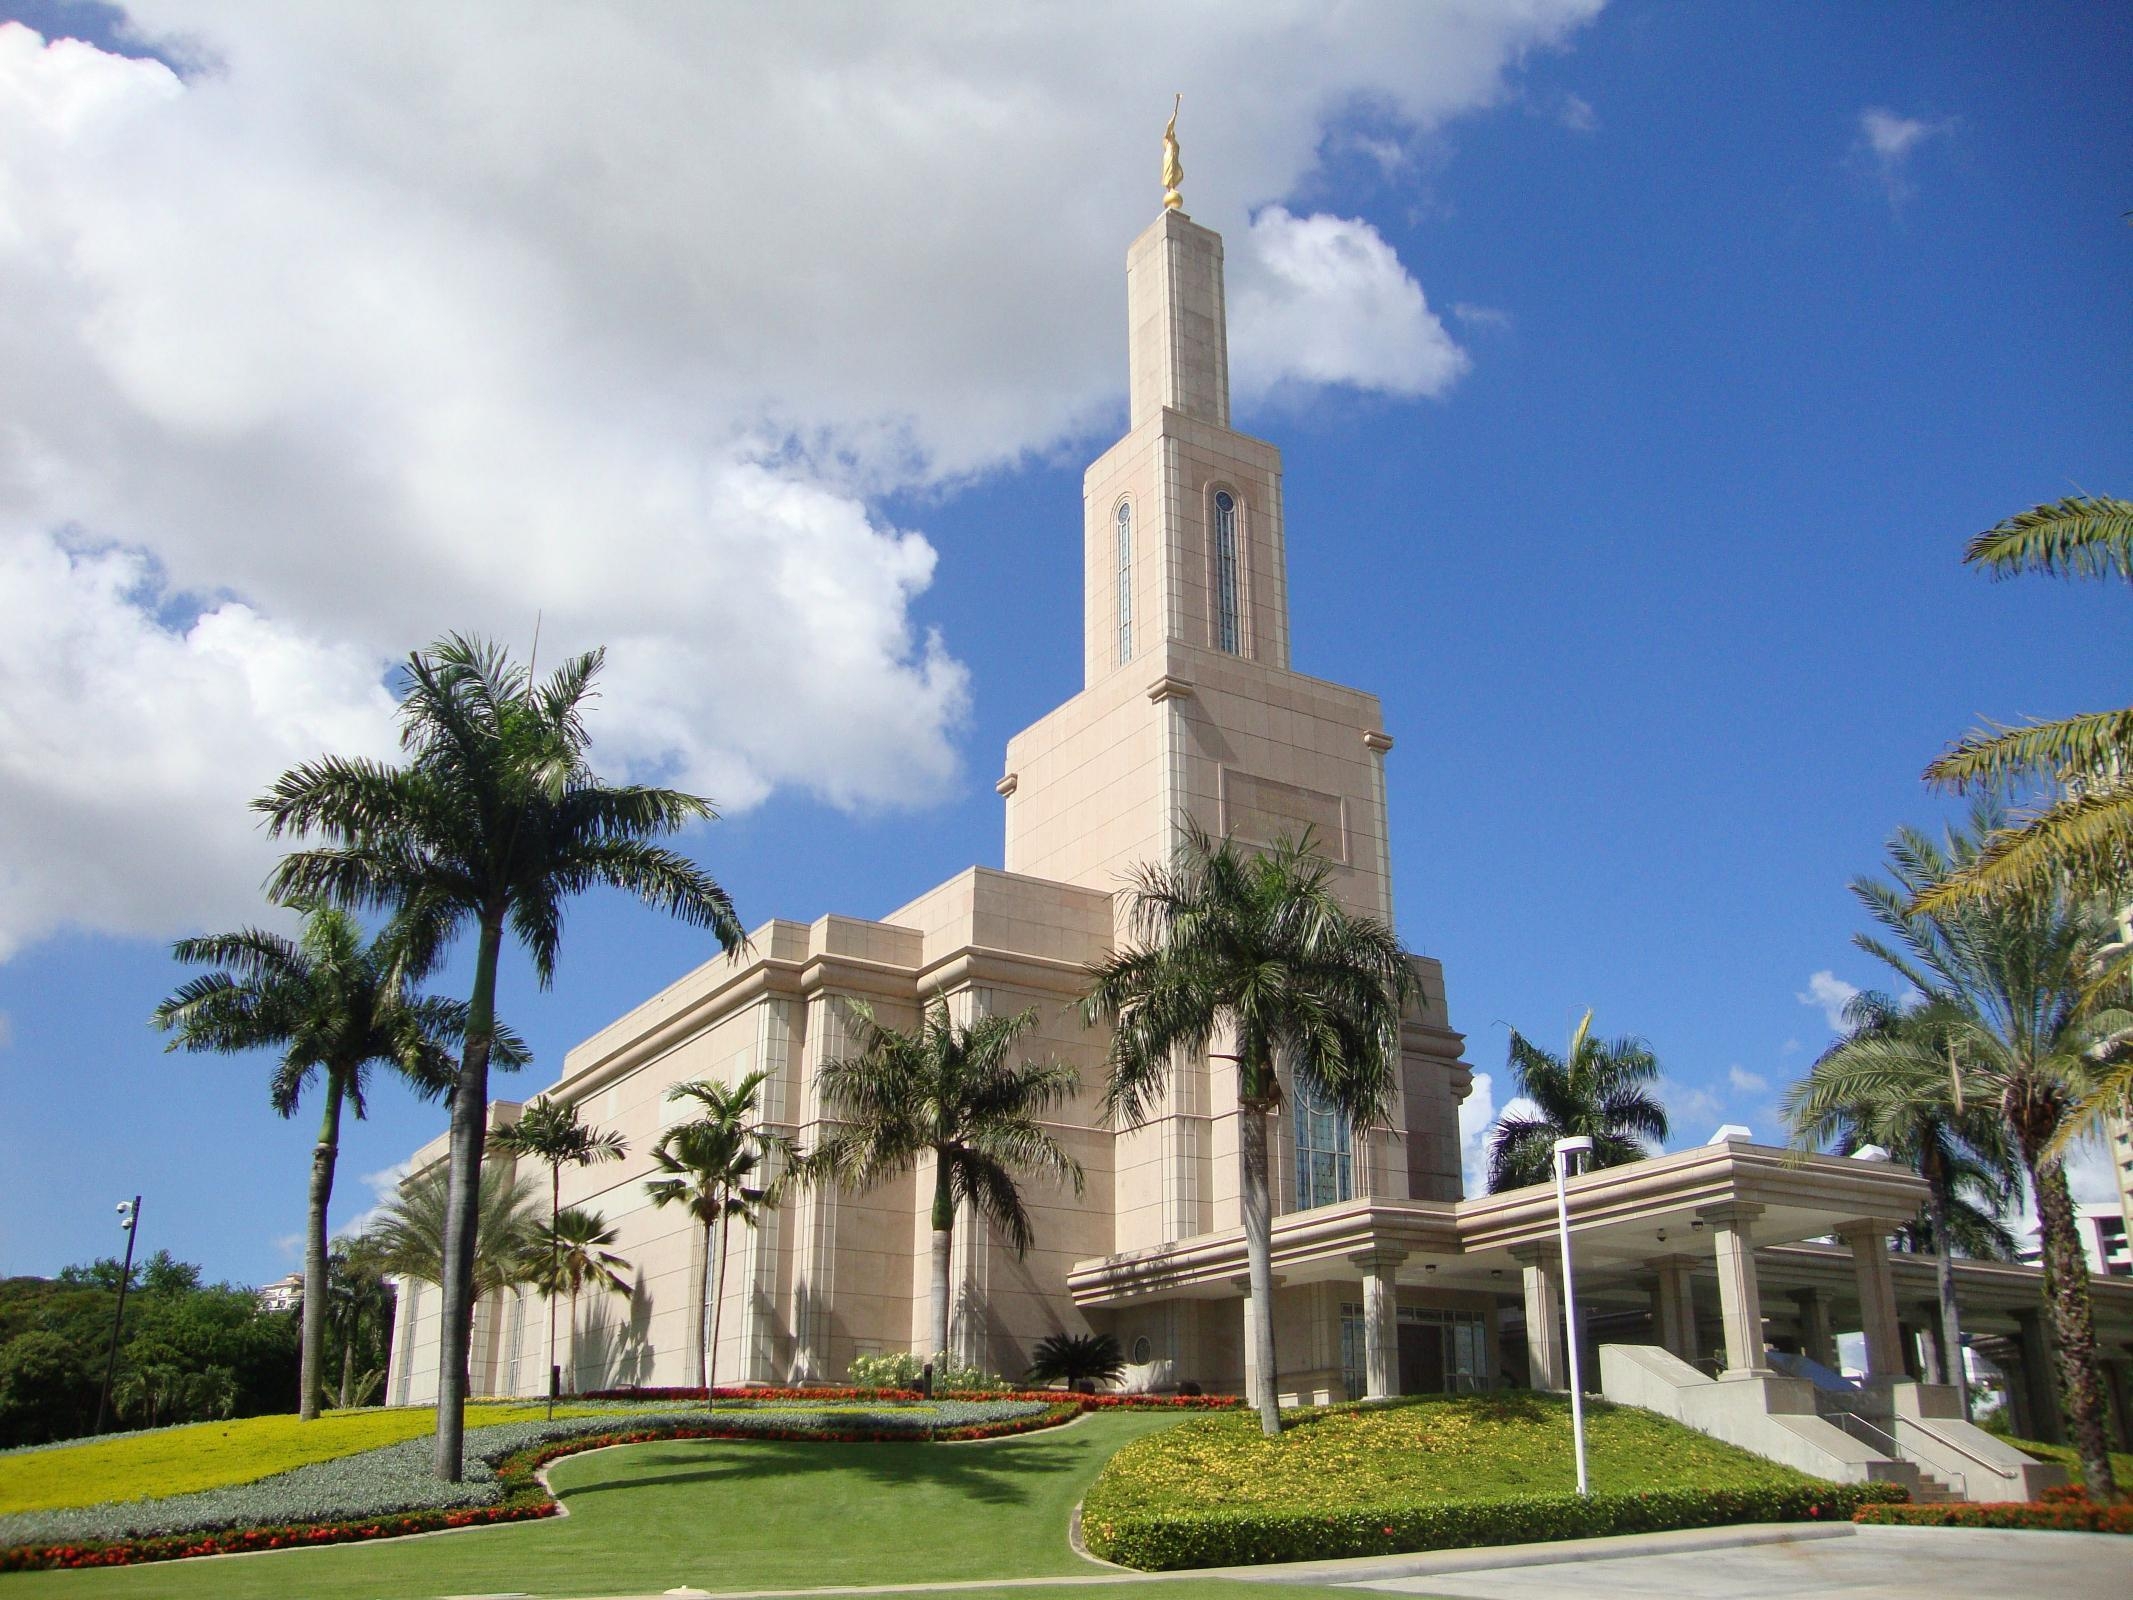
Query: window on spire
1226	571
1125	582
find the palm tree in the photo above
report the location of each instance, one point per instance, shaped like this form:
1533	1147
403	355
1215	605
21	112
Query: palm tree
716	1169
1891	1081
549	1131
334	1005
1072	1358
2084	764
362	1310
566	1256
495	818
954	1092
413	1229
1253	948
2009	977
1601	1094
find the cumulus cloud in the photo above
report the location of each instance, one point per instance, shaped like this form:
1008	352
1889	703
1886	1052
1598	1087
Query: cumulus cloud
1477	1116
627	318
1887	142
384	1186
1744	1081
1328	302
1829	994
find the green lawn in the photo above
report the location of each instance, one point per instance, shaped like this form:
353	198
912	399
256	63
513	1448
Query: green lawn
712	1515
1476	1448
2121	1461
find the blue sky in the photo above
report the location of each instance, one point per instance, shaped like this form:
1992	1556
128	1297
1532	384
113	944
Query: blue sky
1663	601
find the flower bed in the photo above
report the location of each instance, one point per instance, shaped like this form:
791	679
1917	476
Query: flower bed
389	1492
2065	1510
1087	1402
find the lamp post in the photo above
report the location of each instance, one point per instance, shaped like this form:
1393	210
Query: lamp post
1580	1144
130	1219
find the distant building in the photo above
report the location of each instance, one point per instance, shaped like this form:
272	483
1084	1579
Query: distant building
283	1294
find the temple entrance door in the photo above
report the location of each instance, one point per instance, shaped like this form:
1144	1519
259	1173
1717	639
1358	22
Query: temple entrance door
1421	1358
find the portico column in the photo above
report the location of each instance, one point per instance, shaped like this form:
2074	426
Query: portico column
2038	1385
1817	1338
1877	1299
1381	1322
1740	1300
1677	1306
1252	1313
1932	1360
1545	1363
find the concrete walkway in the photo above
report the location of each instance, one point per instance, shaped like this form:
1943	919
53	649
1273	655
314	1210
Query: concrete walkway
1837	1563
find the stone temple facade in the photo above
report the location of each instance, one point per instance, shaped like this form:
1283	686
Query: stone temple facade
1725	1258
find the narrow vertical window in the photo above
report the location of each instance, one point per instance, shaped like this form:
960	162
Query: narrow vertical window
1226	571
1324	1169
1125	582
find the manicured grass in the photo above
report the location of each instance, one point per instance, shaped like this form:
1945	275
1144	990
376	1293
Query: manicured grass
2121	1461
209	1455
1474	1448
712	1515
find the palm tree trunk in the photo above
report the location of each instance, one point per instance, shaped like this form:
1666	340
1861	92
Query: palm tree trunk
311	1367
718	1302
470	1132
555	1206
703	1322
573	1333
2066	1293
1950	1357
943	1241
1259	1259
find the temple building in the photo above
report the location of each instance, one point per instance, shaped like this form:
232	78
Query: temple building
1728	1259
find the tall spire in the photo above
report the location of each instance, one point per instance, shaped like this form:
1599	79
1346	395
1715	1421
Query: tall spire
1173	169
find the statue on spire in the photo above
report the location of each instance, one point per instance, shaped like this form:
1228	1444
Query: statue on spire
1173	169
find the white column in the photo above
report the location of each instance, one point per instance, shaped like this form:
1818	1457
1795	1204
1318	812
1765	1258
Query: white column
1676	1306
1546	1364
1381	1322
1740	1300
1869	1239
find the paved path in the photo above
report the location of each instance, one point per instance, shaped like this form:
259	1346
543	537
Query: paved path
1884	1563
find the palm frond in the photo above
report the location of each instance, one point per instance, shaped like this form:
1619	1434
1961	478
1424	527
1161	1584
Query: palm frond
2082	536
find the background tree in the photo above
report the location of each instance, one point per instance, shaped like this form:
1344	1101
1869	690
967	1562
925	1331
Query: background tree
1255	949
334	1004
549	1132
1892	1081
715	1166
2010	977
1599	1088
955	1093
412	1229
1072	1358
569	1254
493	821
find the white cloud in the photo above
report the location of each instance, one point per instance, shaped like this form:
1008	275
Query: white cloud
1829	994
1328	302
1888	141
1577	115
384	1186
618	315
1744	1081
1692	1111
1474	316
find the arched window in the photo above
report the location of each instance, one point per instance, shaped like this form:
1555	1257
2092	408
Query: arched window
1125	581
1324	1166
1226	571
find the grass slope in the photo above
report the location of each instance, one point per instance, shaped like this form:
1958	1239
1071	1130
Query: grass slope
754	1515
2069	1458
210	1455
1416	1452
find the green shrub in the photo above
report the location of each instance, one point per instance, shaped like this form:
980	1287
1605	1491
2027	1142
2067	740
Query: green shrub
1164	1541
2062	1513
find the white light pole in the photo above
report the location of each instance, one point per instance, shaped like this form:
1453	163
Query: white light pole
1564	1150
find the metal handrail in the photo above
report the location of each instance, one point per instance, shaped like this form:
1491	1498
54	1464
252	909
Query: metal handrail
1992	1467
1895	1447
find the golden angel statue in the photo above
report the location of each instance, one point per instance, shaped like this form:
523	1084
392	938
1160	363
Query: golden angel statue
1173	169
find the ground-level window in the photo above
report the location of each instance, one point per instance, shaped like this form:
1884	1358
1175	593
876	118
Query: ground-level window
1324	1167
1441	1352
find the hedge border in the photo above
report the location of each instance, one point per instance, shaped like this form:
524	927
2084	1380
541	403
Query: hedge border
1087	1402
2051	1516
524	1495
1166	1542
